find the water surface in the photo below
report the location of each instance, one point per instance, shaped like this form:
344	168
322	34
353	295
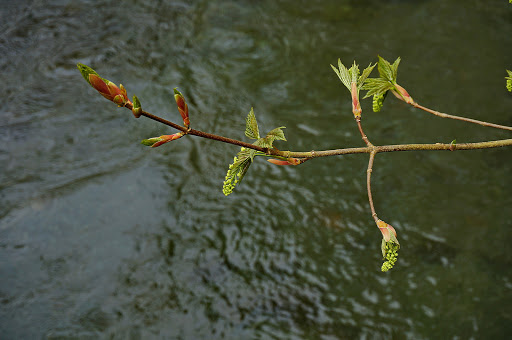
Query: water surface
101	237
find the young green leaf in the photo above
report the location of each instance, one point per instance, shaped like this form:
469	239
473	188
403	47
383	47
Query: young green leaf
354	72
344	74
268	140
362	79
394	68
376	87
251	126
385	69
351	75
277	133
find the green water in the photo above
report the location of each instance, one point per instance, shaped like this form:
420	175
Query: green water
101	237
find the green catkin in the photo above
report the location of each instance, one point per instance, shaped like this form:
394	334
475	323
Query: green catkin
391	255
509	78
378	101
235	171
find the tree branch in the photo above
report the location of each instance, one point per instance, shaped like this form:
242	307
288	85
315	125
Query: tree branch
334	152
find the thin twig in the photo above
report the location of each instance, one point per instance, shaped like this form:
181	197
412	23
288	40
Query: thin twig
363	135
469	120
368	184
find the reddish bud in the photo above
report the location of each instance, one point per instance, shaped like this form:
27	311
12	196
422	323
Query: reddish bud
119	100
288	161
118	94
402	94
157	141
356	105
109	90
182	107
99	85
388	232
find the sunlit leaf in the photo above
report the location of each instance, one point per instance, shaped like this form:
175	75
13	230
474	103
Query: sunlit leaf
251	126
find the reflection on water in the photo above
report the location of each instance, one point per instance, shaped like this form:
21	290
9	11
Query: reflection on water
101	237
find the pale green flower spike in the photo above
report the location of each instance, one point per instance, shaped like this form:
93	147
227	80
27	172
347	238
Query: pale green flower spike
509	78
236	171
378	101
391	254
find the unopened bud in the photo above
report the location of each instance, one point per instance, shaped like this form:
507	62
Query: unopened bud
136	109
86	71
157	141
182	107
402	94
119	100
356	105
99	85
105	87
388	232
288	161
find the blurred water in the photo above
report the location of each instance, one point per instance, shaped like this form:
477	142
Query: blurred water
101	237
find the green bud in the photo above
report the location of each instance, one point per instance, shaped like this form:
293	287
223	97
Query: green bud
150	141
86	71
137	109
